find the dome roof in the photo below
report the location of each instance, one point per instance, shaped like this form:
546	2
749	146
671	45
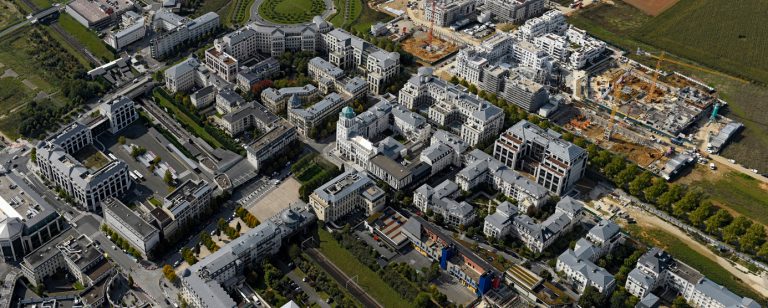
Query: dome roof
348	112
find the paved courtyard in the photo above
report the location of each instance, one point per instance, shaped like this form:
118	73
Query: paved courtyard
276	200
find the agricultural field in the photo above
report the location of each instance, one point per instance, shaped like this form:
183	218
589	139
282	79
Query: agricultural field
291	11
87	37
9	14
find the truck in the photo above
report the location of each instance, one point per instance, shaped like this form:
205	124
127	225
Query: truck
712	166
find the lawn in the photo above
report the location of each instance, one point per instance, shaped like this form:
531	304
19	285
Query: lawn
366	278
9	14
240	11
291	11
680	251
740	193
211	6
368	17
88	38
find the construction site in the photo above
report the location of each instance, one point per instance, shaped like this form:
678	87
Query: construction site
427	50
647	114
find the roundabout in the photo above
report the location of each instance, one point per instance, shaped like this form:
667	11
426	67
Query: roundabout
287	12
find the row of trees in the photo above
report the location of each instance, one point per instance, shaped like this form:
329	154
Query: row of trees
250	220
121	242
320	280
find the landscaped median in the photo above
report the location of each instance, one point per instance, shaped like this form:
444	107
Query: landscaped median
365	277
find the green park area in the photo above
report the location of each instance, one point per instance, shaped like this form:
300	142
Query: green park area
291	11
9	14
739	192
366	278
356	14
88	38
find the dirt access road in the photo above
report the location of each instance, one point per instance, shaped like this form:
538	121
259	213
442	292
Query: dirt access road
647	220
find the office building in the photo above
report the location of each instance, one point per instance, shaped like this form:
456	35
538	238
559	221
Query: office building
277	99
272	143
27	221
174	30
184	76
98	14
556	163
132	29
515	11
187	202
69	251
221	64
88	176
473	118
525	93
273	40
203	98
248	116
206	283
249	75
345	193
120	112
130	226
307	120
443	13
350	52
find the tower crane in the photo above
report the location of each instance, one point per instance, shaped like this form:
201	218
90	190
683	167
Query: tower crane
650	96
430	34
615	108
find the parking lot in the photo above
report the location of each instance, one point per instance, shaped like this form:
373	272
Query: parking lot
152	184
275	199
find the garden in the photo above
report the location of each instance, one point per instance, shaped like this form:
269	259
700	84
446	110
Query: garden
291	11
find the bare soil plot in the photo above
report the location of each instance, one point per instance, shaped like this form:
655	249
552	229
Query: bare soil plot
652	7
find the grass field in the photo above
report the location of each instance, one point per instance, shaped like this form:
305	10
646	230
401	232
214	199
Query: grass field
291	11
88	38
679	250
9	14
368	17
212	6
740	193
184	119
240	11
366	278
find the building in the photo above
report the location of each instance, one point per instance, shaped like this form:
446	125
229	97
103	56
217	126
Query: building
69	160
132	29
27	221
320	69
174	30
307	120
499	223
221	64
656	268
69	251
184	76
459	261
277	99
98	14
719	141
550	22
130	226
440	201
187	202
350	52
481	168
249	75
474	119
203	98
272	143
524	92
515	11
446	12
273	40
582	273
248	116
388	226
120	112
556	163
207	282
345	193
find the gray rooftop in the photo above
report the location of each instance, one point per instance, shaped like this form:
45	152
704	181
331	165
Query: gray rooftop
129	217
604	230
390	166
595	274
341	186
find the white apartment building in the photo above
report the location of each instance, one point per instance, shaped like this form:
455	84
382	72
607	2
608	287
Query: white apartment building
557	164
446	12
581	273
188	201
130	226
550	22
87	185
424	196
499	223
221	64
524	92
440	200
184	76
349	191
277	99
538	236
248	116
121	112
273	40
250	75
307	119
474	119
349	52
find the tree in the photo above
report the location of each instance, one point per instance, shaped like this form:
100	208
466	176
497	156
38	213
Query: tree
763	252
591	297
735	229
700	214
720	219
670	196
422	300
658	187
680	302
640	183
753	238
169	273
33	154
167	177
687	203
624	177
454	79
121	139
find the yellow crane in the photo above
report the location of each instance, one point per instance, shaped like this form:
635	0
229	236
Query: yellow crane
616	102
649	97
